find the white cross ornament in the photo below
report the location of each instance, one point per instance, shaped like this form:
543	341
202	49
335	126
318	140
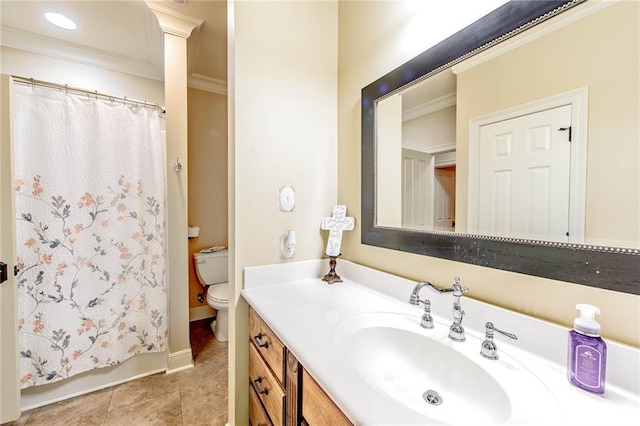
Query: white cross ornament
335	225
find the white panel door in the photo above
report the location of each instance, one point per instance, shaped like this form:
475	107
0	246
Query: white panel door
444	200
417	189
524	176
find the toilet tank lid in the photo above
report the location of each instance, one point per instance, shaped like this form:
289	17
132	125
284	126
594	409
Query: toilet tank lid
200	255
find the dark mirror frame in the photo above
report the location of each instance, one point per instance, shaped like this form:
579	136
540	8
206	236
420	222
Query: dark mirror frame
608	268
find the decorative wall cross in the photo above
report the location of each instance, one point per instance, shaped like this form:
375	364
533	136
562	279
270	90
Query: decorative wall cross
335	225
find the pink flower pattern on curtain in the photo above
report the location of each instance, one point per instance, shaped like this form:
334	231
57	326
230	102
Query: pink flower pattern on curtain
90	228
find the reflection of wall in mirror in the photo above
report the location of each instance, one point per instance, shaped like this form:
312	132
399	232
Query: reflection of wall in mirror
430	130
601	52
427	134
388	174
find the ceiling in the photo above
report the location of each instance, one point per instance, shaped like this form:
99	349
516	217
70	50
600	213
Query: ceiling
121	35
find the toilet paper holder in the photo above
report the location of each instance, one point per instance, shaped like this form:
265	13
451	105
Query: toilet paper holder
193	232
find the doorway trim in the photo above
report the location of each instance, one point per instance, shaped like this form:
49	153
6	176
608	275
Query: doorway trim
578	99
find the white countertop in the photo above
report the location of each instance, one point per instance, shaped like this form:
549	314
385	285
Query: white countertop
303	311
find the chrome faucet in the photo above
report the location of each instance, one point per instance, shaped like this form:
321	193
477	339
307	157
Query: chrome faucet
427	320
456	331
415	300
489	348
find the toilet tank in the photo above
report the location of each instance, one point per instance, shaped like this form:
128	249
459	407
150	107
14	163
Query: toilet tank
212	268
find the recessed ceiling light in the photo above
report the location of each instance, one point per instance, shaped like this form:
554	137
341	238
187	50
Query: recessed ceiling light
59	20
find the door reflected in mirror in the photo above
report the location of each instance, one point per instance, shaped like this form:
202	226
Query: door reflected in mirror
498	144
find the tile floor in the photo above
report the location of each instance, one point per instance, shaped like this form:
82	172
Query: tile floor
193	397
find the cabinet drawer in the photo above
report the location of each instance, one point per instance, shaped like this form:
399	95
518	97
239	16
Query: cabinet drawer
266	342
257	415
266	386
317	408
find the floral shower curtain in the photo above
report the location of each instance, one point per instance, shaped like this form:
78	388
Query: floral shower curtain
90	225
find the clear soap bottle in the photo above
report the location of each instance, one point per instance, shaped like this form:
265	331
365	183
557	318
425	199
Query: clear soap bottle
587	354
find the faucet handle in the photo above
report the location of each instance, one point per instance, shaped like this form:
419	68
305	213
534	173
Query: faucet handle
427	319
457	286
489	349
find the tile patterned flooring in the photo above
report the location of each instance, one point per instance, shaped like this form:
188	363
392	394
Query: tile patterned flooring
194	397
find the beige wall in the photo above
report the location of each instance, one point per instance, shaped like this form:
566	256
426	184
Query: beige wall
208	173
41	67
364	58
600	52
283	131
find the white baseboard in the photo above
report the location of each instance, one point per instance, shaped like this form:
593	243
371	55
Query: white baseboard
201	312
178	361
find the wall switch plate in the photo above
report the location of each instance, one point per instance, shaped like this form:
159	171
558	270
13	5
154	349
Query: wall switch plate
287	198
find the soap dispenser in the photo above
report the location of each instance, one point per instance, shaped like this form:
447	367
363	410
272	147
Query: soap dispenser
587	354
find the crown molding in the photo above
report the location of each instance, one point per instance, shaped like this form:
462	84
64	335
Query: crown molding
172	22
440	149
208	84
429	107
46	46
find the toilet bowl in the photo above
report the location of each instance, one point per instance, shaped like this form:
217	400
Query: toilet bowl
212	270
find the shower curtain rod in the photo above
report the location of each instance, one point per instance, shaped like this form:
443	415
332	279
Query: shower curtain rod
95	93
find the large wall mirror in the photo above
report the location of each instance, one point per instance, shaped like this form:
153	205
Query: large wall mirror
514	144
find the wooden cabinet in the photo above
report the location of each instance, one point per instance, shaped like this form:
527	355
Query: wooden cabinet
317	408
266	370
282	393
266	387
268	345
257	414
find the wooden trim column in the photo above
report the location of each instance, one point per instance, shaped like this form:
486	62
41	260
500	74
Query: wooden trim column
177	29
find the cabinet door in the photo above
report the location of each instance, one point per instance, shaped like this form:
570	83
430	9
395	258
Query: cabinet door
266	386
266	342
317	408
257	414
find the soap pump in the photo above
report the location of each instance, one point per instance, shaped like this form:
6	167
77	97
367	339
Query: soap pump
587	352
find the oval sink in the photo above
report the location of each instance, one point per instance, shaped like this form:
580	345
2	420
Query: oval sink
447	382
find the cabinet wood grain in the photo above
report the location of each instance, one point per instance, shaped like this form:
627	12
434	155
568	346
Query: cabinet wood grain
317	408
257	415
266	342
266	386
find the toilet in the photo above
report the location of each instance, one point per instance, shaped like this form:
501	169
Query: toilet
213	273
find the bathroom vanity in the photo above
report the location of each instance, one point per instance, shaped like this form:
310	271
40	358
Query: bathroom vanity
282	391
355	353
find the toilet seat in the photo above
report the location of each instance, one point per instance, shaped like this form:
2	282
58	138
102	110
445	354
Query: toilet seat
218	293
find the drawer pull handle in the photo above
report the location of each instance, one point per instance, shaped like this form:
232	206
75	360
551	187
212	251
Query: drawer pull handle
256	340
256	386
